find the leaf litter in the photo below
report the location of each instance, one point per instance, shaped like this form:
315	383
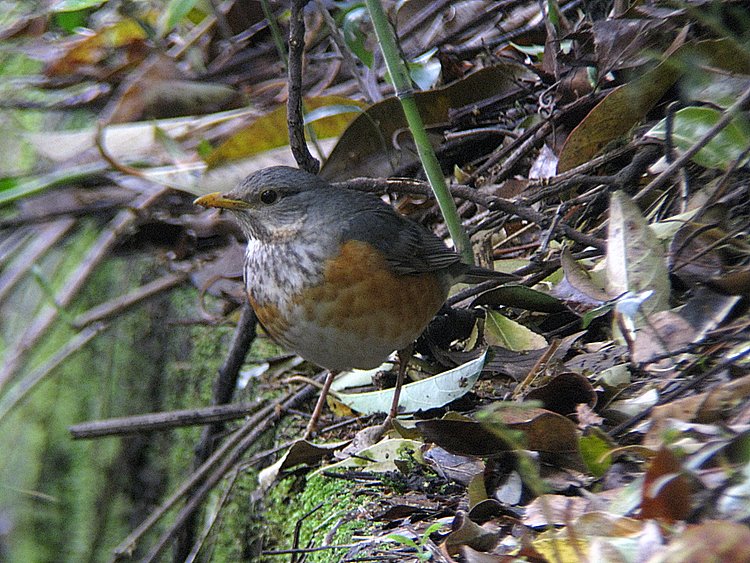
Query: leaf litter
597	407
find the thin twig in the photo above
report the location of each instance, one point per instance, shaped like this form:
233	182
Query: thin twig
370	94
470	194
226	382
161	420
298	529
123	303
259	420
223	391
496	174
214	517
501	151
687	384
294	117
302	550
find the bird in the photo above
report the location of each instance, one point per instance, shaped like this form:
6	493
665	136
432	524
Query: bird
336	275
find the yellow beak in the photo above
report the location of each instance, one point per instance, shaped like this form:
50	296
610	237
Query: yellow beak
218	200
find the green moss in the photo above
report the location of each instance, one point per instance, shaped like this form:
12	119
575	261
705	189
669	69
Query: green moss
234	535
321	504
74	501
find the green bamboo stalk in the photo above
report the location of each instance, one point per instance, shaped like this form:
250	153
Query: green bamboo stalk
402	83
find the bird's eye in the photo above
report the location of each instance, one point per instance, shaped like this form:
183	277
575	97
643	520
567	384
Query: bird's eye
269	196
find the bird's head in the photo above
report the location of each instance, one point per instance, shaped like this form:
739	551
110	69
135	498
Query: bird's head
272	203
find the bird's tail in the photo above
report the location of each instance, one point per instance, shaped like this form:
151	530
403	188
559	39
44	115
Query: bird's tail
477	274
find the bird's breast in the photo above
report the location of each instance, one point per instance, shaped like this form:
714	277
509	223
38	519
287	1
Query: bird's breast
344	309
274	273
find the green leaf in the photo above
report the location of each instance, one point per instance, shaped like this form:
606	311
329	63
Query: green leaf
691	124
69	21
521	297
176	10
354	20
501	331
595	448
399	538
434	527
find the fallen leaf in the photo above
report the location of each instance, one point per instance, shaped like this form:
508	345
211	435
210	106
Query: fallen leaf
563	393
466	532
721	542
635	259
429	393
379	458
691	124
628	104
502	331
300	452
666	489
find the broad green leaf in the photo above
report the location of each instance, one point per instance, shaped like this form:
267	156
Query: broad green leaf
70	21
402	539
501	331
520	296
691	124
595	447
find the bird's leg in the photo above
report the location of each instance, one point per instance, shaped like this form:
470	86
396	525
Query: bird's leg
404	355
319	405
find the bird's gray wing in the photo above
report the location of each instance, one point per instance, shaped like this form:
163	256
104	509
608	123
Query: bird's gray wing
408	247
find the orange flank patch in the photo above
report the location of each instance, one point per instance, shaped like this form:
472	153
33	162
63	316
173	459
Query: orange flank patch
271	319
362	295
